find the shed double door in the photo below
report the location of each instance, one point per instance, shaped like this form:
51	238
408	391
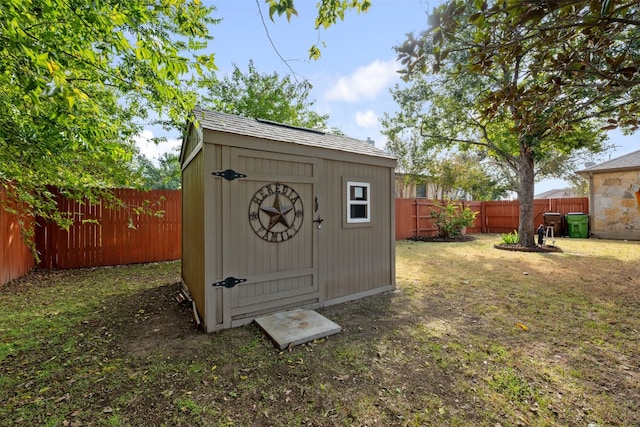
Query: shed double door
269	236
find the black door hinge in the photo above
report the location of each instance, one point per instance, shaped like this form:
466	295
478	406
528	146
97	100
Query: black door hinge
229	174
229	282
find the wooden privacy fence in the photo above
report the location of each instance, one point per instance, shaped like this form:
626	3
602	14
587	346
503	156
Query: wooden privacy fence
104	236
503	217
413	216
146	229
15	257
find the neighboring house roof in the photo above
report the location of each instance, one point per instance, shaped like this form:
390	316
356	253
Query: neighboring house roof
627	162
412	177
558	193
265	129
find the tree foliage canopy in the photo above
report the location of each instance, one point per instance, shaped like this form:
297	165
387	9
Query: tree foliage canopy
442	111
570	60
78	79
250	94
265	96
546	77
167	175
458	175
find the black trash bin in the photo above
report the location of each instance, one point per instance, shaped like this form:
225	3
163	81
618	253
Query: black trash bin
554	219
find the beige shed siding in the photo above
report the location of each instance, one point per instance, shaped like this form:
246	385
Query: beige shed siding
193	249
216	300
358	259
277	273
616	205
251	143
191	145
259	166
315	267
283	255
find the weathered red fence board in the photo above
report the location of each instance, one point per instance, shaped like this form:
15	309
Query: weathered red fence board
405	218
501	216
102	235
413	215
16	259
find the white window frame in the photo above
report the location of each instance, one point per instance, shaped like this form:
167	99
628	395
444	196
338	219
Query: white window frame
366	202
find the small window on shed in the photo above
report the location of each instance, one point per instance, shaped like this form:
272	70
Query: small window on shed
358	202
421	190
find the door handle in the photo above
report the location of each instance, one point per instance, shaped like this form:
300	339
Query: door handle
319	220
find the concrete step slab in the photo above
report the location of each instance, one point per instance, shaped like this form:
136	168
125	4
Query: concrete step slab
293	327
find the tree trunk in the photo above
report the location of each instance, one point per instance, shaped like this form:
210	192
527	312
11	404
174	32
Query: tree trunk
526	227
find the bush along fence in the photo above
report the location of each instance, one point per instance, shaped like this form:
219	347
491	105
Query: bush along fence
413	216
147	227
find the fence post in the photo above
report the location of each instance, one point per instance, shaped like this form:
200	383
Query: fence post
483	218
415	232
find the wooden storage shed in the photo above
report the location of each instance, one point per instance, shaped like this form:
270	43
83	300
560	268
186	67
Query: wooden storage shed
278	217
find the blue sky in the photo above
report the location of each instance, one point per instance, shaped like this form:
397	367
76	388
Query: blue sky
351	80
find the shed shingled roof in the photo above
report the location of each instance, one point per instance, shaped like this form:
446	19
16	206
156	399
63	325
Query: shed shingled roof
626	162
228	123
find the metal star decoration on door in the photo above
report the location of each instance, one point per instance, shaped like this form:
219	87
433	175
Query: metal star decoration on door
276	212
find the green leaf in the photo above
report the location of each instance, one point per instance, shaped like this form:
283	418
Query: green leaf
314	52
474	18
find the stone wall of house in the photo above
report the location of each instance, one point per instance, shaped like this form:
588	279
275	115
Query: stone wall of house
616	205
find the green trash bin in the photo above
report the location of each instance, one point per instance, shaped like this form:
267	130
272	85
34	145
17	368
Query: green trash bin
577	224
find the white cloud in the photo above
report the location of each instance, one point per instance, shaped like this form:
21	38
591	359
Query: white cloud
366	119
365	83
153	151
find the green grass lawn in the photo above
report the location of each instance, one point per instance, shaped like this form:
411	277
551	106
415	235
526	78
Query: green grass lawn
472	336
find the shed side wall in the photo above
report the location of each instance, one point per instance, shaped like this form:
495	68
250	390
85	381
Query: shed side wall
193	250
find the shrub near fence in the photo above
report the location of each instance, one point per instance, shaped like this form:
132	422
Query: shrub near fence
413	216
111	236
16	259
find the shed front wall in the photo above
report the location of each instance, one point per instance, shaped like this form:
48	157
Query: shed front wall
616	205
319	266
